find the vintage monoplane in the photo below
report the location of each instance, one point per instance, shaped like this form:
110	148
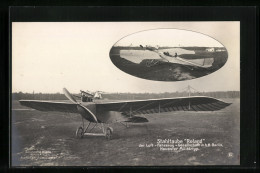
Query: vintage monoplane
105	113
171	55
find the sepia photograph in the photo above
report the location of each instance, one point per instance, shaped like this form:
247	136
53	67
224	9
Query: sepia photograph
125	93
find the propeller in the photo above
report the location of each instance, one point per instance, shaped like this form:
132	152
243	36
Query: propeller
73	100
69	96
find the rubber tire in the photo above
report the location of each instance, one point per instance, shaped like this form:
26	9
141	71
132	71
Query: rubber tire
80	132
109	132
148	64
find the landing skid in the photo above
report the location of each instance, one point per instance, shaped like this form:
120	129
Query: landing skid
82	131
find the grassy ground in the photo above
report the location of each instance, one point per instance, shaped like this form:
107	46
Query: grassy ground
47	139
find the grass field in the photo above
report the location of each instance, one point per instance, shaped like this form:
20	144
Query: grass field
48	139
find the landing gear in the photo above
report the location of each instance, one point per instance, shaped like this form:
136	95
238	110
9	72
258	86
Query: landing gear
152	63
148	64
81	131
109	132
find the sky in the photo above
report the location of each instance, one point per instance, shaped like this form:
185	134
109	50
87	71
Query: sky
168	37
48	56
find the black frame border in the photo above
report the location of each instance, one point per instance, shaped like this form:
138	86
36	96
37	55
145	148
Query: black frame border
249	39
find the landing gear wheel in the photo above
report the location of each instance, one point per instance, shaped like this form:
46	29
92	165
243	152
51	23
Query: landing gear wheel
109	132
80	132
148	64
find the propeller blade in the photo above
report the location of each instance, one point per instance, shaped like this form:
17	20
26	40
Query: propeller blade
93	115
69	96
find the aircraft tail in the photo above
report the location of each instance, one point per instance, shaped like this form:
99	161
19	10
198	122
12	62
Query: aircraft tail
205	62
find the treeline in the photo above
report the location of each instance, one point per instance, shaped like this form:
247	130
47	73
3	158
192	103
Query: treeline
136	96
128	96
38	96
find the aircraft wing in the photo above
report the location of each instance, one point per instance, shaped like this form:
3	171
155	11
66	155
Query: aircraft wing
50	106
193	103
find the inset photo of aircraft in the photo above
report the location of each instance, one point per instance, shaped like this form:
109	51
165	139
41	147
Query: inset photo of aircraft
171	56
168	55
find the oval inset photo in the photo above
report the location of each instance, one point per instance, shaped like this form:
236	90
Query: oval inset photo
168	54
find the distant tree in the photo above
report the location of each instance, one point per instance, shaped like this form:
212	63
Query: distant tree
127	96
